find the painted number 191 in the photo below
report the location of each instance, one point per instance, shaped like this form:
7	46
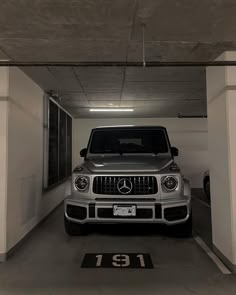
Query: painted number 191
121	260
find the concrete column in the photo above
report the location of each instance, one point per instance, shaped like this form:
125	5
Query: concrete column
221	101
4	86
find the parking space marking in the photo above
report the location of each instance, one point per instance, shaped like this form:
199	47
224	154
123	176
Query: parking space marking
117	260
212	255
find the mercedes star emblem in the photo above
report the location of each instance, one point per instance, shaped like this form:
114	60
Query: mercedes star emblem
124	186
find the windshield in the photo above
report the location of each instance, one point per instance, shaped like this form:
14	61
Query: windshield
128	141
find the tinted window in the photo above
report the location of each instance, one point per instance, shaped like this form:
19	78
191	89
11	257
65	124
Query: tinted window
69	146
53	144
60	145
128	141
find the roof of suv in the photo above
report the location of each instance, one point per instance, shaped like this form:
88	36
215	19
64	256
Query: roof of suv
129	127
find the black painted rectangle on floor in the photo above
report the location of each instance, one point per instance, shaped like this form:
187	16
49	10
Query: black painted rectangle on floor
117	260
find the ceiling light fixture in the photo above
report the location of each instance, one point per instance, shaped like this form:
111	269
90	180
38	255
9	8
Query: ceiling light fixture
111	110
191	116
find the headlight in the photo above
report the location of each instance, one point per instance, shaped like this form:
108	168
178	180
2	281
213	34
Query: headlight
81	183
170	183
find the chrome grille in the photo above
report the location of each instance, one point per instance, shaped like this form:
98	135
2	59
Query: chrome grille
141	185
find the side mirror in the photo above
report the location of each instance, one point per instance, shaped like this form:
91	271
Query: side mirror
174	151
83	153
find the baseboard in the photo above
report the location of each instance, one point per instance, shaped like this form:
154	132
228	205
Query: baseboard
225	260
15	248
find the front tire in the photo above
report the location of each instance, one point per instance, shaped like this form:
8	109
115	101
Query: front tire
74	229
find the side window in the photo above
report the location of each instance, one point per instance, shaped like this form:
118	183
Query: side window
57	144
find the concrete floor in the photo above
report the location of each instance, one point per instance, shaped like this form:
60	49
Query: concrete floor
49	263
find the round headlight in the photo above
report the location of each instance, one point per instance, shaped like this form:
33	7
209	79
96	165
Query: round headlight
170	183
81	183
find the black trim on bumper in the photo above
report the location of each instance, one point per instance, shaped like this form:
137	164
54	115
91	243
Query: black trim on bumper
158	211
175	213
76	212
92	210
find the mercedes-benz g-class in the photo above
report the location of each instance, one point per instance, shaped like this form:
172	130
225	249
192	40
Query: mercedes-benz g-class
128	176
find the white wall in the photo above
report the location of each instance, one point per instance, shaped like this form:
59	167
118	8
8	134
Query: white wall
27	204
3	175
221	94
189	135
4	81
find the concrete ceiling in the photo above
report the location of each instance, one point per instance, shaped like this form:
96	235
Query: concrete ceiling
110	30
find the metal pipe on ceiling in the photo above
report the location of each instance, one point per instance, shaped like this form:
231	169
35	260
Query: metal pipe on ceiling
144	55
117	64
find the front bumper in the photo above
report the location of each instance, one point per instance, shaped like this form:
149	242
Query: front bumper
168	212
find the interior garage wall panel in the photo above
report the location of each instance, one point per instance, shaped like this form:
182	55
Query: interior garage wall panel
189	135
27	204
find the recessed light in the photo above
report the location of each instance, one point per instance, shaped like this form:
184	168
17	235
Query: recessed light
111	110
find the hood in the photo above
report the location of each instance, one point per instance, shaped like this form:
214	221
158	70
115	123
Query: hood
119	164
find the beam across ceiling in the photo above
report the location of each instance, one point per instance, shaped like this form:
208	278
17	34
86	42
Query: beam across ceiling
117	64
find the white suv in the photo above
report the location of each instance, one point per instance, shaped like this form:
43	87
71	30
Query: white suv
128	176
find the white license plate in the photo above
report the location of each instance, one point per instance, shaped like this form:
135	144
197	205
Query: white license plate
124	210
